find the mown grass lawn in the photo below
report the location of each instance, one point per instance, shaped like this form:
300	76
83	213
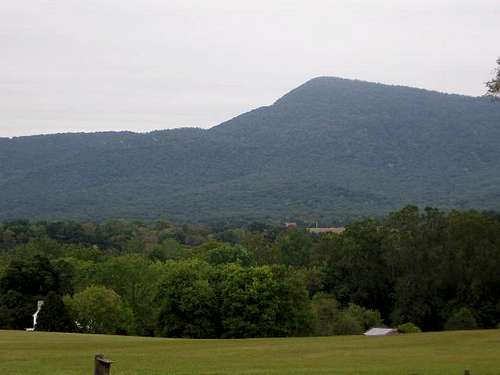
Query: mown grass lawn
423	354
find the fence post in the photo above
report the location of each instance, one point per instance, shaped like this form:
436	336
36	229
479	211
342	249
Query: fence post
102	366
466	372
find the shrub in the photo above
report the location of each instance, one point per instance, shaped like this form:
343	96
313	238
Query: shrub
409	328
461	319
367	318
100	310
347	324
329	319
326	312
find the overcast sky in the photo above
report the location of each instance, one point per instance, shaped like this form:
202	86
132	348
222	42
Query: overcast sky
91	65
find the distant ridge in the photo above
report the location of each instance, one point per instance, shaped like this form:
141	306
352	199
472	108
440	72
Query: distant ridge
331	149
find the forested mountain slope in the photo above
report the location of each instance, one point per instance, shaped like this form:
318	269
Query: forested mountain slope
332	149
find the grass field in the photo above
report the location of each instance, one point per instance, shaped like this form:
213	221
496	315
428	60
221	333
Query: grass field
430	353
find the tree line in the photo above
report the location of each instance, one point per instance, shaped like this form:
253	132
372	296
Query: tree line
413	269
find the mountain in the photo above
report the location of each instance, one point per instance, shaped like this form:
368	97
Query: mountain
331	150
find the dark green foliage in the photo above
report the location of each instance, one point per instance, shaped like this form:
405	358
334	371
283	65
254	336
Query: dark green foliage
187	301
34	277
418	266
408	328
347	324
356	266
54	316
249	302
16	310
331	150
461	319
331	319
225	254
66	274
326	312
365	317
262	302
135	280
247	279
23	283
168	249
294	316
231	301
294	247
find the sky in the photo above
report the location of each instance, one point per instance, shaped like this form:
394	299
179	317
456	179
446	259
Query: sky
140	65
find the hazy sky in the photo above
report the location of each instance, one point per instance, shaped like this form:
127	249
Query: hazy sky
89	65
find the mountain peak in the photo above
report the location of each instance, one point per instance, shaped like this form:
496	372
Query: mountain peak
325	87
332	147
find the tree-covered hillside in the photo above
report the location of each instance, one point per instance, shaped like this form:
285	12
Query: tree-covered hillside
330	150
414	269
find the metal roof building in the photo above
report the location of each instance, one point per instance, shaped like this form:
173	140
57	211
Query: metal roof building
381	332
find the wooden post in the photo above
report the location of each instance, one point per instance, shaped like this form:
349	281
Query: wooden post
466	372
102	366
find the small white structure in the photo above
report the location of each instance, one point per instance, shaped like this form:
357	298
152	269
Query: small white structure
381	332
317	230
35	316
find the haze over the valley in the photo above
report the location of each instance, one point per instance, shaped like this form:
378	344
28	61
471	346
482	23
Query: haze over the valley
92	65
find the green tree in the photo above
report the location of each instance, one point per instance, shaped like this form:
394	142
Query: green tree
347	324
83	272
295	247
494	85
16	310
54	316
3	268
23	283
461	319
249	301
168	249
136	281
262	301
294	316
415	245
356	269
66	273
331	320
226	253
470	265
326	312
100	310
261	248
366	318
34	276
313	278
82	252
187	301
44	247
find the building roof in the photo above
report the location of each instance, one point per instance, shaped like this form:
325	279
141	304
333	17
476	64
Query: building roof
338	230
381	332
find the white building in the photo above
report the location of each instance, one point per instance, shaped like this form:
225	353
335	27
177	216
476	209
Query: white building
381	332
35	316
